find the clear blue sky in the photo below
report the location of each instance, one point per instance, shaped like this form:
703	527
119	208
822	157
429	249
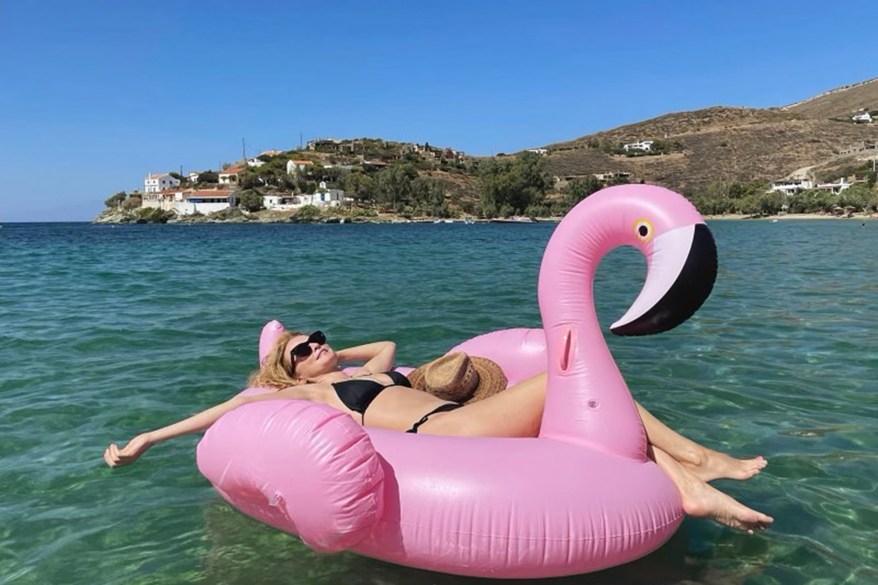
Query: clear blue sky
93	95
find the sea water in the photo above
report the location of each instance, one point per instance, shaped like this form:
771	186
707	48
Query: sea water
107	331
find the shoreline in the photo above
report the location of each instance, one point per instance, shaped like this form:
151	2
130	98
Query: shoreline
264	217
788	217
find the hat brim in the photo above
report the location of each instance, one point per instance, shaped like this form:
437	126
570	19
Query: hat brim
491	378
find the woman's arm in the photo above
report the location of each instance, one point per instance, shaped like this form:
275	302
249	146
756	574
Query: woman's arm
115	457
137	446
379	356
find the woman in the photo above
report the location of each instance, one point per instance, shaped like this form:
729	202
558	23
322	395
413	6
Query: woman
305	367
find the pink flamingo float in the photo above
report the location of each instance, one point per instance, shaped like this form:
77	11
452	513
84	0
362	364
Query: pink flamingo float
581	497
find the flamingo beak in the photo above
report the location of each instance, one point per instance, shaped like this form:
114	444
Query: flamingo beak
681	271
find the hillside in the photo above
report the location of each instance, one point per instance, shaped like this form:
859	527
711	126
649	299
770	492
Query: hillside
823	139
839	102
730	143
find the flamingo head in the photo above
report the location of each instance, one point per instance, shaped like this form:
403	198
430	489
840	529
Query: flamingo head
680	253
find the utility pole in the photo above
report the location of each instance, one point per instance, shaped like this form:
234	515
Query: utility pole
244	149
300	141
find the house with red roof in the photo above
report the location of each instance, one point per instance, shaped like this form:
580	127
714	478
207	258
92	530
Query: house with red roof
229	176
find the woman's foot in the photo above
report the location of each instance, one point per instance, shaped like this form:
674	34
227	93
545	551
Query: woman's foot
701	500
713	465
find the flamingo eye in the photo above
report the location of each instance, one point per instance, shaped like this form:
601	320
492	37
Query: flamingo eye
643	230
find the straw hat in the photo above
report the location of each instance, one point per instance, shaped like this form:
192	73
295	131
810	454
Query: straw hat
459	378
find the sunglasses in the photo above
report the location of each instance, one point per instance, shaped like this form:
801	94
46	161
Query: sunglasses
304	349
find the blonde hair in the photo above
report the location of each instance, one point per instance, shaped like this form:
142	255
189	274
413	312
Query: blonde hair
273	373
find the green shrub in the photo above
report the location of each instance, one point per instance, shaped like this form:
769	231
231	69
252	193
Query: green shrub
116	200
306	214
153	215
132	202
251	200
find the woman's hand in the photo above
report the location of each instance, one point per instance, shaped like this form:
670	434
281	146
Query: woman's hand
130	453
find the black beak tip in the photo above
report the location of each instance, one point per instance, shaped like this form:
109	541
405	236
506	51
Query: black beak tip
686	295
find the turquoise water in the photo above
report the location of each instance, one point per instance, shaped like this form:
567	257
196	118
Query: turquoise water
107	331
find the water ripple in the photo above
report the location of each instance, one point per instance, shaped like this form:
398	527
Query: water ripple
106	332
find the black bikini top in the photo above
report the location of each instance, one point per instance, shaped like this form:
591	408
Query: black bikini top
358	393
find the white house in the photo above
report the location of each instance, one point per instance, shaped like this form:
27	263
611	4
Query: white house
156	182
229	176
539	151
203	201
640	146
331	198
324	197
297	166
791	187
862	117
835	187
281	202
255	162
193	177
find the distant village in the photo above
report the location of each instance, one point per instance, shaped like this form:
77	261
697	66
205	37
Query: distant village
181	195
162	191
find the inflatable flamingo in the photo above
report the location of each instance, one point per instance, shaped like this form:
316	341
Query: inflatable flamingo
580	497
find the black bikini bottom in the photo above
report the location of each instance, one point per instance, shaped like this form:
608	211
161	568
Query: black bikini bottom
426	417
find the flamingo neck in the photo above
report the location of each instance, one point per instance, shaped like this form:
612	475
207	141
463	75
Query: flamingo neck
587	400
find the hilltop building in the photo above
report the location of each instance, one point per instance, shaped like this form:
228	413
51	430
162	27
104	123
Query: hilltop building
639	146
297	166
156	182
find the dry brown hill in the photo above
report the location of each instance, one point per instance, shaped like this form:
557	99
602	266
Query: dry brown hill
730	143
840	102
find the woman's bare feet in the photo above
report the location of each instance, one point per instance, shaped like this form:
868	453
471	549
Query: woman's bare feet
713	465
701	500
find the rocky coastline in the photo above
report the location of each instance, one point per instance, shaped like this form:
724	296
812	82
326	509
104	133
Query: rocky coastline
237	215
275	217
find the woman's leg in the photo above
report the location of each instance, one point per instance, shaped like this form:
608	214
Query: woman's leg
705	463
518	411
515	412
702	500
